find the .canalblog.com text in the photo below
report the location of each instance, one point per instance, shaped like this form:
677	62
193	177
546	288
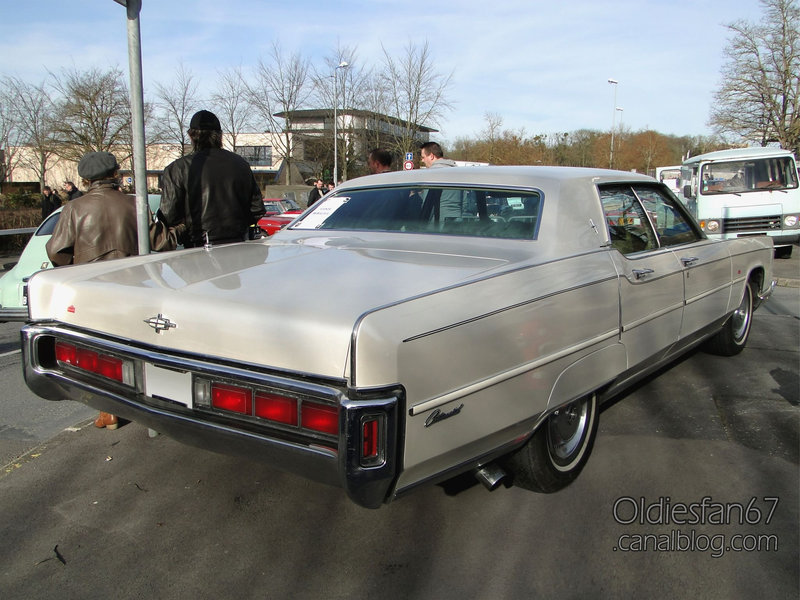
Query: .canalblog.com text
629	511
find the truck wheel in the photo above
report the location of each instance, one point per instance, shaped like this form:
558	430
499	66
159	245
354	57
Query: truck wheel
732	338
558	450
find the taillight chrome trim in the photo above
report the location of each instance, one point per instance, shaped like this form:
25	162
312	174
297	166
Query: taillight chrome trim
331	459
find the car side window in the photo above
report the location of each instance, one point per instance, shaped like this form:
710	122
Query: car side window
672	226
49	224
626	220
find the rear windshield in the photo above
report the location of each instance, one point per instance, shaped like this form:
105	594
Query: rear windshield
507	214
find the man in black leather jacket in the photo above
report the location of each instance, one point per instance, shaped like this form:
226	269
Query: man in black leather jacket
213	191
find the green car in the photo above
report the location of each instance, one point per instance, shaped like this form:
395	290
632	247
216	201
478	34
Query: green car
13	302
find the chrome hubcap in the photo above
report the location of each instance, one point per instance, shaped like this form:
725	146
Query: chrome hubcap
565	429
741	318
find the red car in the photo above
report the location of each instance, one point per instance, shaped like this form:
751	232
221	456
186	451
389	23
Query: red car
280	212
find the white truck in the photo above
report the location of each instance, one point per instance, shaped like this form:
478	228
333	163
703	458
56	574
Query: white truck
745	192
671	177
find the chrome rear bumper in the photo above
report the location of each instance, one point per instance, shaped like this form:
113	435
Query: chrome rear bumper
335	463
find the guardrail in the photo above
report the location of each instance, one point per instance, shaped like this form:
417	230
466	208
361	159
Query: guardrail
17	231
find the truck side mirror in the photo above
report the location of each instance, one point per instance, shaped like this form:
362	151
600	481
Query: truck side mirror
687	191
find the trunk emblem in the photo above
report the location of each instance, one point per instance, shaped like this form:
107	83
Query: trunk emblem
160	323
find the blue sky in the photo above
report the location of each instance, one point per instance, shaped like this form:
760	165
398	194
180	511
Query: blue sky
540	65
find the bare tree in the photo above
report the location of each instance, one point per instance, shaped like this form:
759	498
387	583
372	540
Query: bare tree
494	123
32	112
230	102
758	98
417	92
93	114
342	70
176	103
280	87
374	98
9	132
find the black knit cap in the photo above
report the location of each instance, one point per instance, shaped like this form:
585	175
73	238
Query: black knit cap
97	165
204	120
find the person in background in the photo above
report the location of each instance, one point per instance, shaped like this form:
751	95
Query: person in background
211	190
330	186
98	225
432	156
71	191
379	161
316	193
50	201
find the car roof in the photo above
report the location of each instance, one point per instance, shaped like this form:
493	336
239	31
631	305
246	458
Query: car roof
502	176
734	153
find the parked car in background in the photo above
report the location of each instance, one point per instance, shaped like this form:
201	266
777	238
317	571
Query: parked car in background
280	212
414	336
13	304
13	300
277	206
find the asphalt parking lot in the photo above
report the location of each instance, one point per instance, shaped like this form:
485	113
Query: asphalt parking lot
117	514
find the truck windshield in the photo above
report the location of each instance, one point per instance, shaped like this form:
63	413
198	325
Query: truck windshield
741	176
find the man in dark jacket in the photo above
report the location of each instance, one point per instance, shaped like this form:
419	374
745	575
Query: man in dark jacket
316	193
50	201
213	191
71	191
98	225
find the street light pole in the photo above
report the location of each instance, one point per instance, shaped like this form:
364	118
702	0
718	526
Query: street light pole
133	8
341	65
613	82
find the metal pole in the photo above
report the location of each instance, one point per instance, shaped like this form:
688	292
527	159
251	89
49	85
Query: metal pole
341	65
613	82
335	133
134	7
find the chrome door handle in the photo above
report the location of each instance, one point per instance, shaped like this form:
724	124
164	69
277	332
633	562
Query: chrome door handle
688	261
639	273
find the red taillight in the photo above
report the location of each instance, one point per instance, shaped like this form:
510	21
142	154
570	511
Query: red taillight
87	360
110	367
93	362
231	397
369	439
66	353
280	409
320	417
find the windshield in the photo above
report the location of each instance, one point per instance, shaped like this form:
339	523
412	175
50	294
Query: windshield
509	214
735	177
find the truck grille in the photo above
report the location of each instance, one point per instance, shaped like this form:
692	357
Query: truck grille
768	223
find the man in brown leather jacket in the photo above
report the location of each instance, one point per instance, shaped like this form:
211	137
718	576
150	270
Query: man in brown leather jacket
99	225
213	191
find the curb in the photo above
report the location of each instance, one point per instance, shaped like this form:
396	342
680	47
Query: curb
790	283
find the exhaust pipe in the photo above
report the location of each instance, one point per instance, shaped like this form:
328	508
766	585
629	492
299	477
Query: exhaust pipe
491	476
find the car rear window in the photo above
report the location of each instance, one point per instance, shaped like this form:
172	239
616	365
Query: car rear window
493	213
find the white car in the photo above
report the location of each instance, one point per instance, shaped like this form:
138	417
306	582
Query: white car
408	327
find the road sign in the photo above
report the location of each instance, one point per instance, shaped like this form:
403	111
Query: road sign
409	156
408	165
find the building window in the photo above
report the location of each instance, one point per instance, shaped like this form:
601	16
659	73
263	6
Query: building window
257	156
